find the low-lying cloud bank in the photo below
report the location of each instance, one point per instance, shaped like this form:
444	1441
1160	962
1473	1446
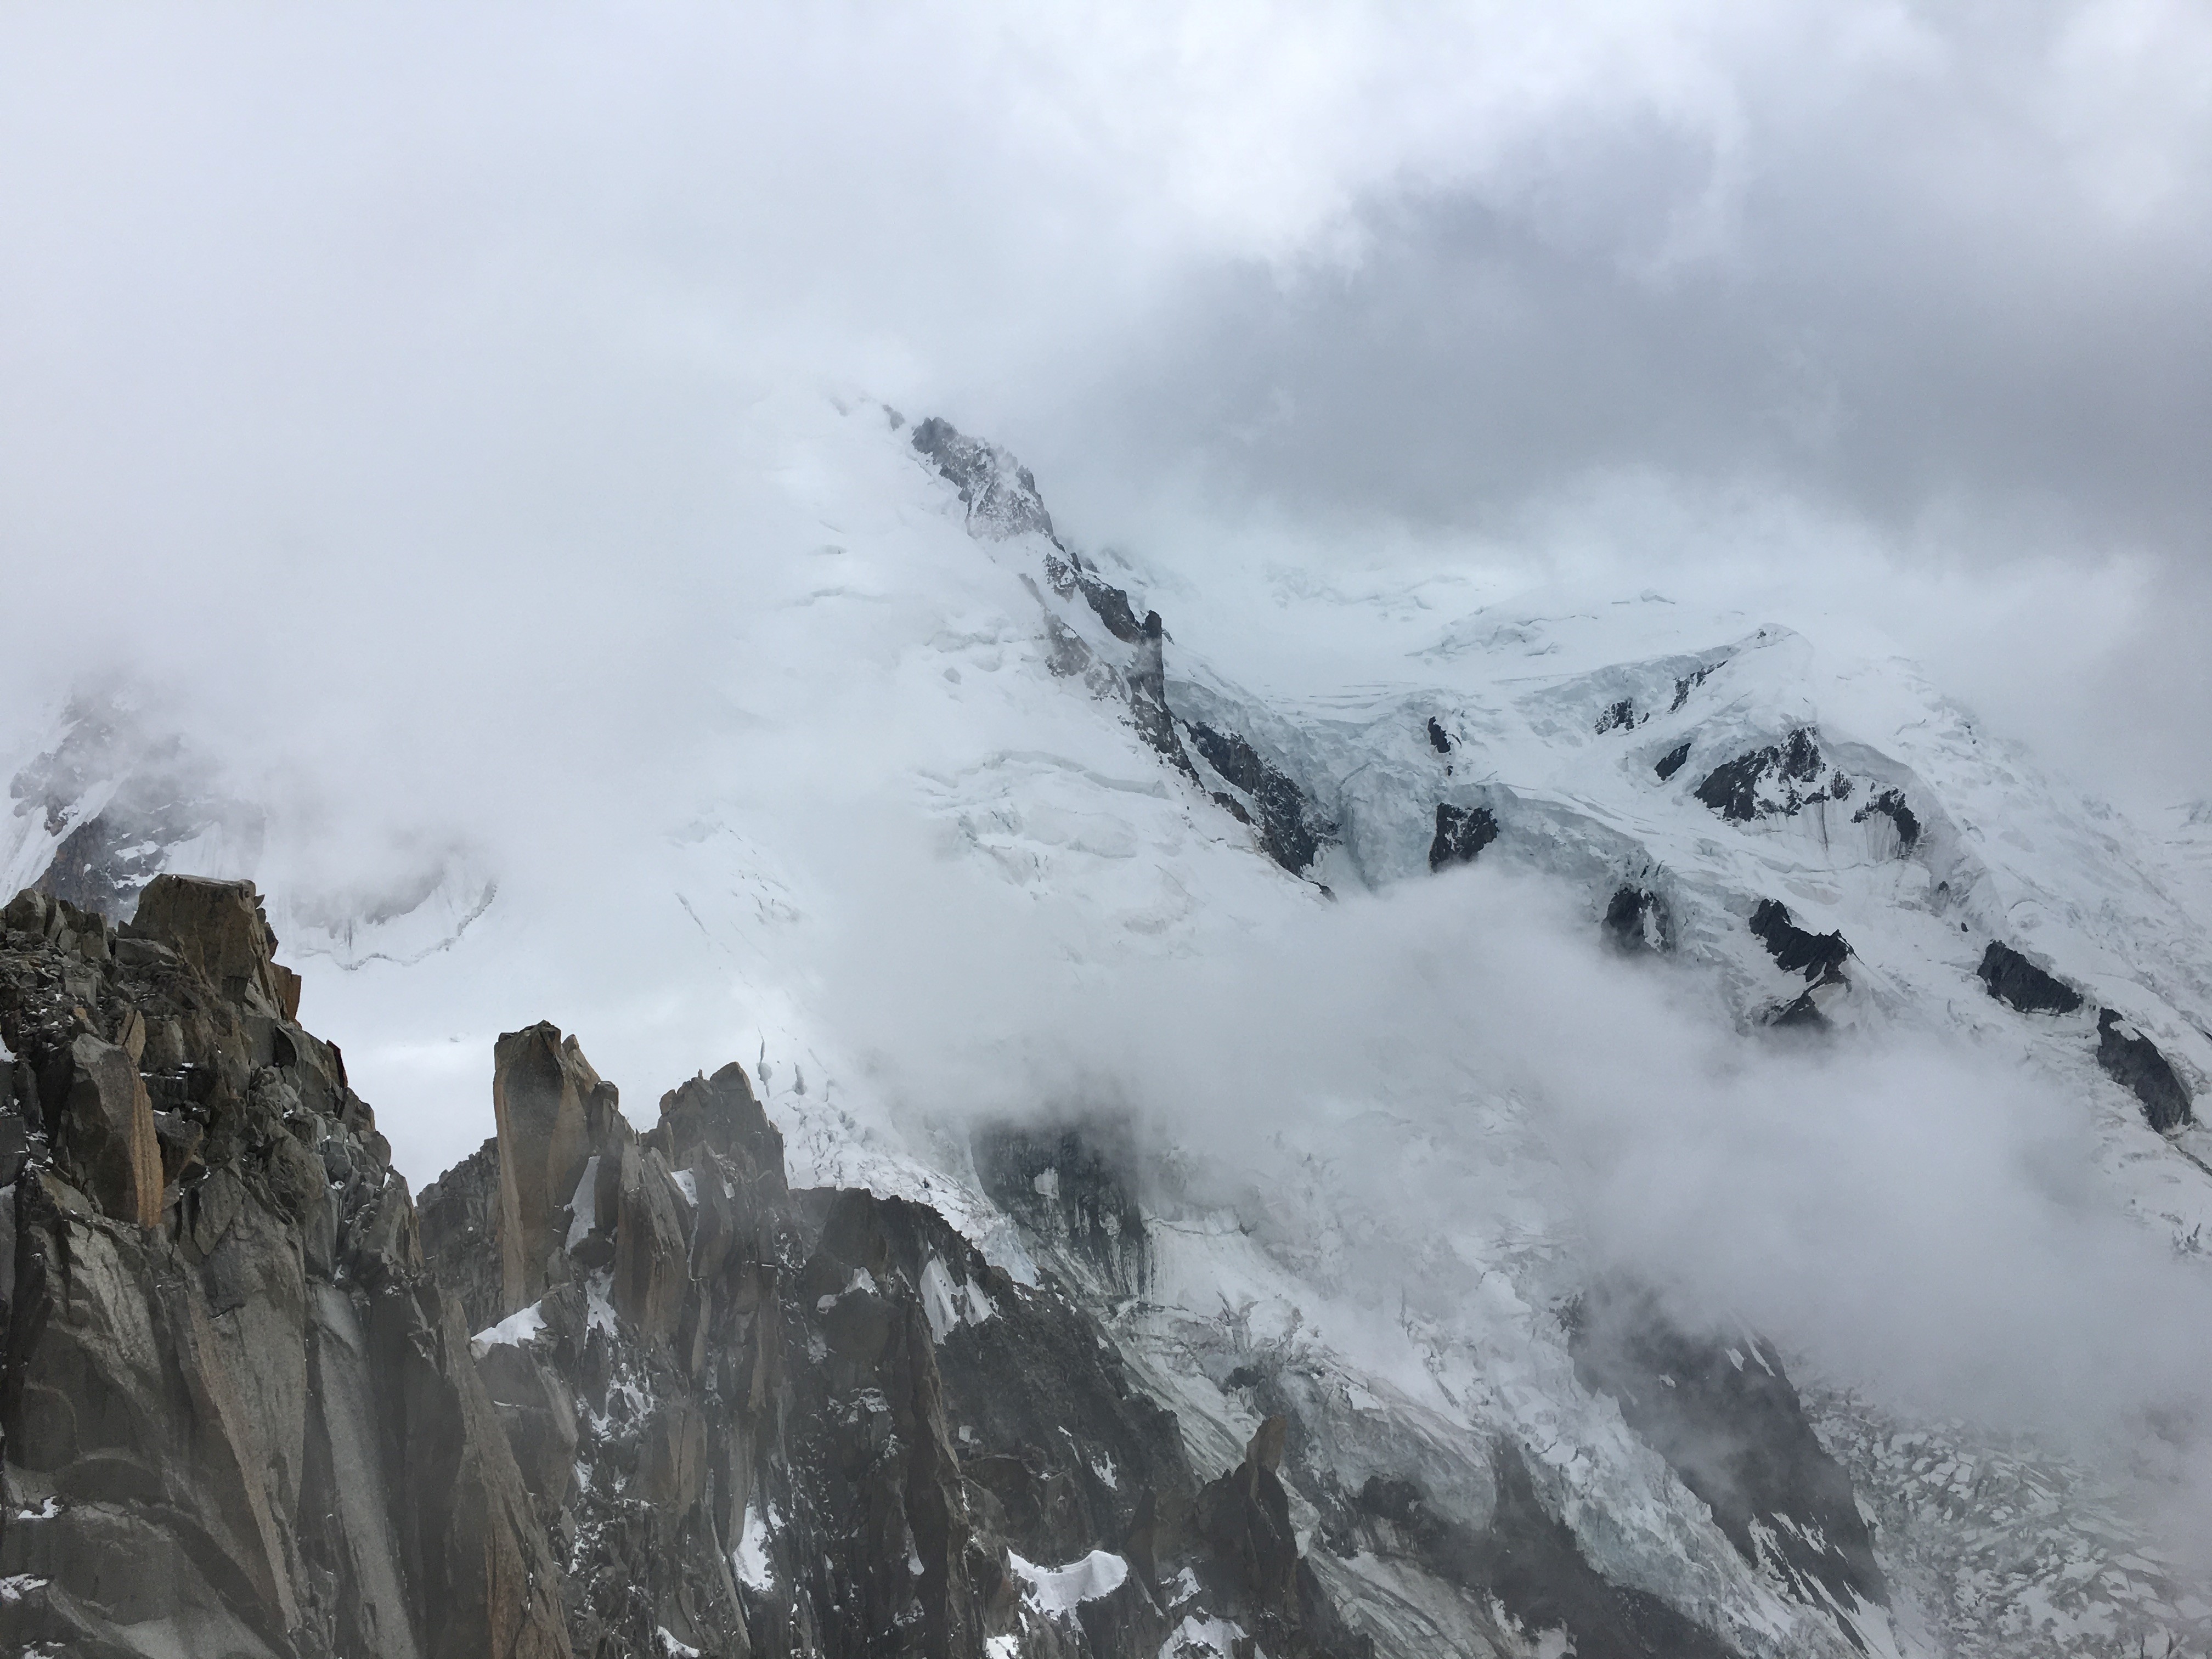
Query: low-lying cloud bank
1918	1218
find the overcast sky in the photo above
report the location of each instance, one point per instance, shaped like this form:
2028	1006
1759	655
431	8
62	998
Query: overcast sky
290	298
384	371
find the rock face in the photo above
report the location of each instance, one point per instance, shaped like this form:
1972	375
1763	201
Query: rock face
545	1098
1525	1567
240	1416
1635	919
1782	777
1461	834
1724	1415
2131	1059
1819	956
753	1420
1272	799
2013	979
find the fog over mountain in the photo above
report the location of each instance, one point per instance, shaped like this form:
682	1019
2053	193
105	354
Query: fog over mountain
1452	757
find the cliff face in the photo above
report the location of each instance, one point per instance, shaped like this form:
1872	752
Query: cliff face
244	1413
241	1417
756	1420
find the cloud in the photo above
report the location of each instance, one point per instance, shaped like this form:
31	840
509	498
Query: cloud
1401	1090
453	303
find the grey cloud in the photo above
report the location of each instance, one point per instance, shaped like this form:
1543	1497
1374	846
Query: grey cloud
1872	342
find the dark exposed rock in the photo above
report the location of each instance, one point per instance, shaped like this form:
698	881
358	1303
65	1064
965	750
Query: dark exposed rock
1288	831
1733	789
548	1103
1002	501
1439	739
1461	832
1635	919
1819	956
832	1388
1524	1558
1148	696
1000	495
1688	684
1252	1563
1671	762
1723	1414
219	928
1074	1186
1620	717
2012	978
1801	1013
104	1133
459	1226
2131	1059
1072	574
1890	803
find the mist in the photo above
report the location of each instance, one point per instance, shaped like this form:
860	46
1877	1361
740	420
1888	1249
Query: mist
1920	1216
380	331
442	416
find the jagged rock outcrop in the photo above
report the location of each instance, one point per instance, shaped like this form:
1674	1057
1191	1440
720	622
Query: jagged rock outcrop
2011	978
1635	919
1891	804
239	1417
1782	779
1537	1591
1264	796
1255	1566
244	1413
1461	834
218	926
1819	956
1074	1186
1419	1545
2133	1061
756	1420
546	1100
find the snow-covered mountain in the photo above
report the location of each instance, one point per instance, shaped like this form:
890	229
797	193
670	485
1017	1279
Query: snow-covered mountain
1592	1099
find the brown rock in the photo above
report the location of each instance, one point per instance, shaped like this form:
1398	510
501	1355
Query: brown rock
539	1416
542	1087
720	1114
218	927
652	1258
287	990
108	1133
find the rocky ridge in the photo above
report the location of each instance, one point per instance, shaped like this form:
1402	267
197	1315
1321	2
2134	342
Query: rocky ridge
700	1412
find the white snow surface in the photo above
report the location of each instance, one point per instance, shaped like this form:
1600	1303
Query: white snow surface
1057	1592
518	1330
750	1559
914	878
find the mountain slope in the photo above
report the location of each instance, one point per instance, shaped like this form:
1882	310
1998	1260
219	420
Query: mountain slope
963	774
